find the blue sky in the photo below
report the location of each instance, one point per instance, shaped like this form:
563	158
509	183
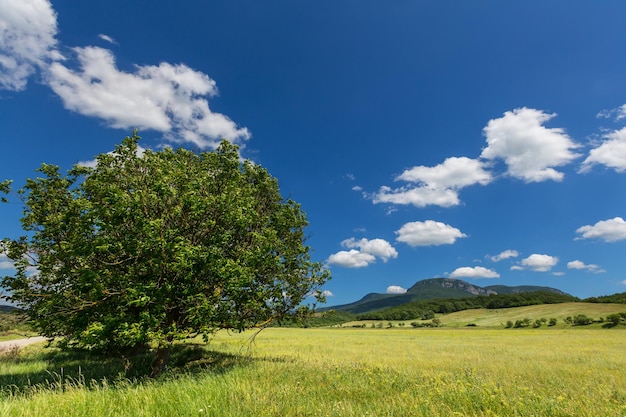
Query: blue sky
479	140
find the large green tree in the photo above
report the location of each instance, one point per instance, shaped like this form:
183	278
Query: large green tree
154	247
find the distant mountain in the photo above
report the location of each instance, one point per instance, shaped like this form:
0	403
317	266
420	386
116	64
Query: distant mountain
431	289
6	308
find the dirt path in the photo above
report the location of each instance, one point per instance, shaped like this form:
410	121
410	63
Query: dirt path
21	342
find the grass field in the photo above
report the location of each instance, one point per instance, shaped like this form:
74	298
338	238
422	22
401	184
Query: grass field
341	372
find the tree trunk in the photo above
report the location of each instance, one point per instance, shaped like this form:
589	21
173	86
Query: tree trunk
161	360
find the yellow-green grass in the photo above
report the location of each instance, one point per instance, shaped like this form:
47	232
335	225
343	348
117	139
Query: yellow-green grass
360	372
497	317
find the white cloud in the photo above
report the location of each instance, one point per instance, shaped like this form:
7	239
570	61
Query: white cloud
454	173
529	149
419	197
351	259
27	40
509	253
576	265
624	282
475	272
395	289
438	185
327	293
367	252
611	153
537	262
167	98
428	233
107	38
377	247
581	265
610	230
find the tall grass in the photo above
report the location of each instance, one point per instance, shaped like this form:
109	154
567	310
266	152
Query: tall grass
349	372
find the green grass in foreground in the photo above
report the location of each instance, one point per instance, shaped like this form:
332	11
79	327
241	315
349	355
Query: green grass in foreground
344	372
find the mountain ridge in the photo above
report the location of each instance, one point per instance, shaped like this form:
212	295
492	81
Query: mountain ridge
433	288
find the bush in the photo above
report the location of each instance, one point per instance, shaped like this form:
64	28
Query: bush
581	320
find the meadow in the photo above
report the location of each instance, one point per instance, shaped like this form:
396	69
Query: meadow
560	371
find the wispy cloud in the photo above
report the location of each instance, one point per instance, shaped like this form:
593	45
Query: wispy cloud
581	265
107	38
509	253
530	150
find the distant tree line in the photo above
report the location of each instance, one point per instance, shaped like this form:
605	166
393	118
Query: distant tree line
619	298
426	309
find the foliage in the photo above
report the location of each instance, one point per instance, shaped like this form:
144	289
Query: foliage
319	319
157	247
12	320
578	320
616	319
619	298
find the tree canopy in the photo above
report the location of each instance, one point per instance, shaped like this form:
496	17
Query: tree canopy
158	246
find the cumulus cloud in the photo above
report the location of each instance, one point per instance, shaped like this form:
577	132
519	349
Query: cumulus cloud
581	265
509	253
610	230
377	247
610	153
327	293
351	259
474	272
362	253
395	289
529	149
428	233
438	185
537	262
168	98
27	40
